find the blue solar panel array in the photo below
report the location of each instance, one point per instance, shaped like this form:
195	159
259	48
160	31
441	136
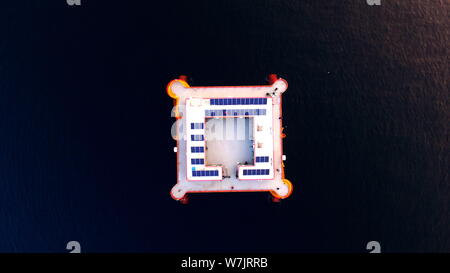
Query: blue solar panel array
197	137
205	173
196	125
197	161
197	149
262	159
238	101
257	172
235	112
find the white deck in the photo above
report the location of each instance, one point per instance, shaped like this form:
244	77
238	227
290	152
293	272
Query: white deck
231	139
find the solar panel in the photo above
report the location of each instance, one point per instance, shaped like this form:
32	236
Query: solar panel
197	161
261	159
234	112
197	149
238	101
205	173
197	137
256	172
196	125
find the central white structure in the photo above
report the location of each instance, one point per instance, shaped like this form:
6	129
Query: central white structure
229	139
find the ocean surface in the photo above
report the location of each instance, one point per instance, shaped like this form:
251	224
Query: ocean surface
86	150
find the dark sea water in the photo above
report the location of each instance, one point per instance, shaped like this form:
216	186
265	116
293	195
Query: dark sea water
85	144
